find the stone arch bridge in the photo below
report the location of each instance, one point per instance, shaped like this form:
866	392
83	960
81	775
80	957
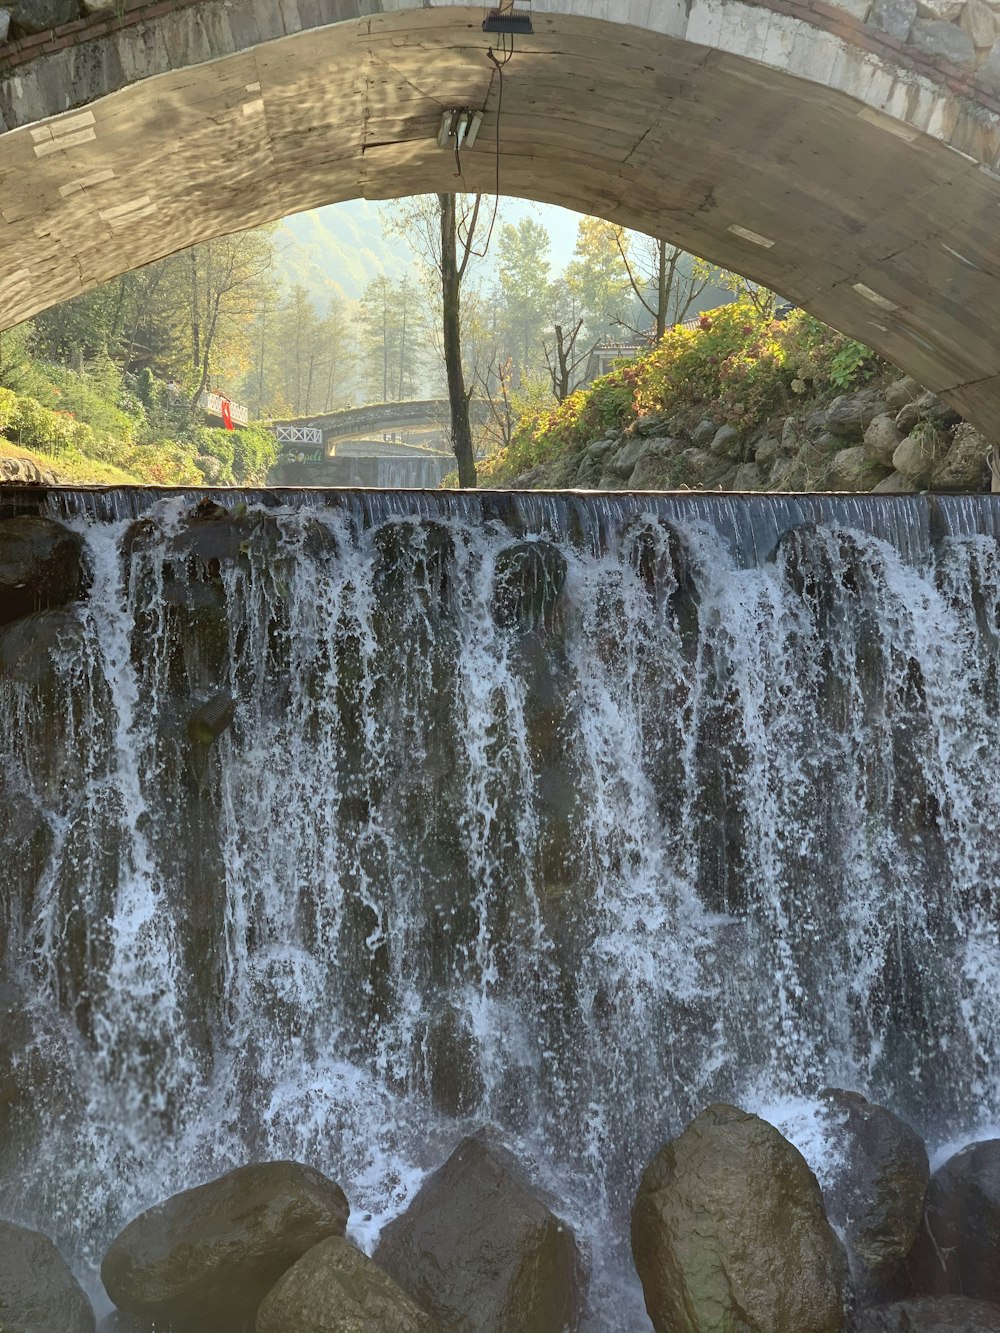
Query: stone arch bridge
846	154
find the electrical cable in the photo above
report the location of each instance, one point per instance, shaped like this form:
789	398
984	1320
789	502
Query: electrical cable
498	69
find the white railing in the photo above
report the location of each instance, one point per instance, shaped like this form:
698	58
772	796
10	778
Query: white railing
298	434
211	405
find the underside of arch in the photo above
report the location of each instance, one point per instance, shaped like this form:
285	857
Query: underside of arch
882	230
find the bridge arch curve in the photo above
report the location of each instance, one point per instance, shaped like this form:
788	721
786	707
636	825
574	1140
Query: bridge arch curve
856	173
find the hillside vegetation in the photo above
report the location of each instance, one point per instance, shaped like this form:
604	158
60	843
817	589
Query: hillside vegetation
98	426
746	402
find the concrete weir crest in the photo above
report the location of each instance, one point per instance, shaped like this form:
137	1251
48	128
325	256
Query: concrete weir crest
846	155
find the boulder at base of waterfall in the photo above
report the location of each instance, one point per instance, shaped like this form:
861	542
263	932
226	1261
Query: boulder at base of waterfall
38	1293
729	1232
957	1250
39	566
480	1248
917	455
876	1195
337	1289
930	1314
213	1252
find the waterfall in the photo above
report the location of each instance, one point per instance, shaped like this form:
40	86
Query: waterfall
569	813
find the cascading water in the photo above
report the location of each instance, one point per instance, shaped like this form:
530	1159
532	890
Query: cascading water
573	815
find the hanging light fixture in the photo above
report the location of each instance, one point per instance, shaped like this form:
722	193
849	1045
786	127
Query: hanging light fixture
510	16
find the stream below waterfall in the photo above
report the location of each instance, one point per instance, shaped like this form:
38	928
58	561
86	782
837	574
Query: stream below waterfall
568	813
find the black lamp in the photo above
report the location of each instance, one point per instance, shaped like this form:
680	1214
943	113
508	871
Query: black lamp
508	17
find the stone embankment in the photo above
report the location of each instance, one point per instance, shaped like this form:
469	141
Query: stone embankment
730	1227
894	440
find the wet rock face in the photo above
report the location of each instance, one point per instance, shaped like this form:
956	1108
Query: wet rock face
337	1289
212	1253
957	1247
480	1248
40	566
729	1232
528	581
38	1293
944	1314
877	1195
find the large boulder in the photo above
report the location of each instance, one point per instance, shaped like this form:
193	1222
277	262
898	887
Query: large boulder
875	1196
480	1248
212	1253
729	1232
851	414
917	455
336	1289
38	1293
927	407
964	467
929	1314
621	463
23	471
958	1247
853	470
905	390
40	566
882	438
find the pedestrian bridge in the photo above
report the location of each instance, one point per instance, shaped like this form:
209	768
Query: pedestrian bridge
426	416
846	154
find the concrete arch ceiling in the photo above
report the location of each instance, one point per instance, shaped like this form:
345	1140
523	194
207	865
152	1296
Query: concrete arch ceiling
862	190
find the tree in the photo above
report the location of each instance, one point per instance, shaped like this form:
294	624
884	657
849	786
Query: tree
227	280
595	278
441	230
665	280
525	292
391	328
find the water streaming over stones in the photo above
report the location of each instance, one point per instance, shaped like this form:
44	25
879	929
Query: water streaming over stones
569	814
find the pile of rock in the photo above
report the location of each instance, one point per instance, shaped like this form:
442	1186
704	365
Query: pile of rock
897	440
730	1229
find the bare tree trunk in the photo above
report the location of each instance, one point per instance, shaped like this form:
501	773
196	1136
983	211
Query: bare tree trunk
451	293
663	290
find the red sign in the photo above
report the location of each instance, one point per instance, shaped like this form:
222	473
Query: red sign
227	415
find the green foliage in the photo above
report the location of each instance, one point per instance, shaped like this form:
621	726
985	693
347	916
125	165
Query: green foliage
851	363
739	366
8	406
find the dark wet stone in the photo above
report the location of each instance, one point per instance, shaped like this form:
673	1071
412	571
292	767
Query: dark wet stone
337	1289
213	1252
480	1248
38	1293
876	1198
957	1250
729	1232
527	584
930	1314
40	566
